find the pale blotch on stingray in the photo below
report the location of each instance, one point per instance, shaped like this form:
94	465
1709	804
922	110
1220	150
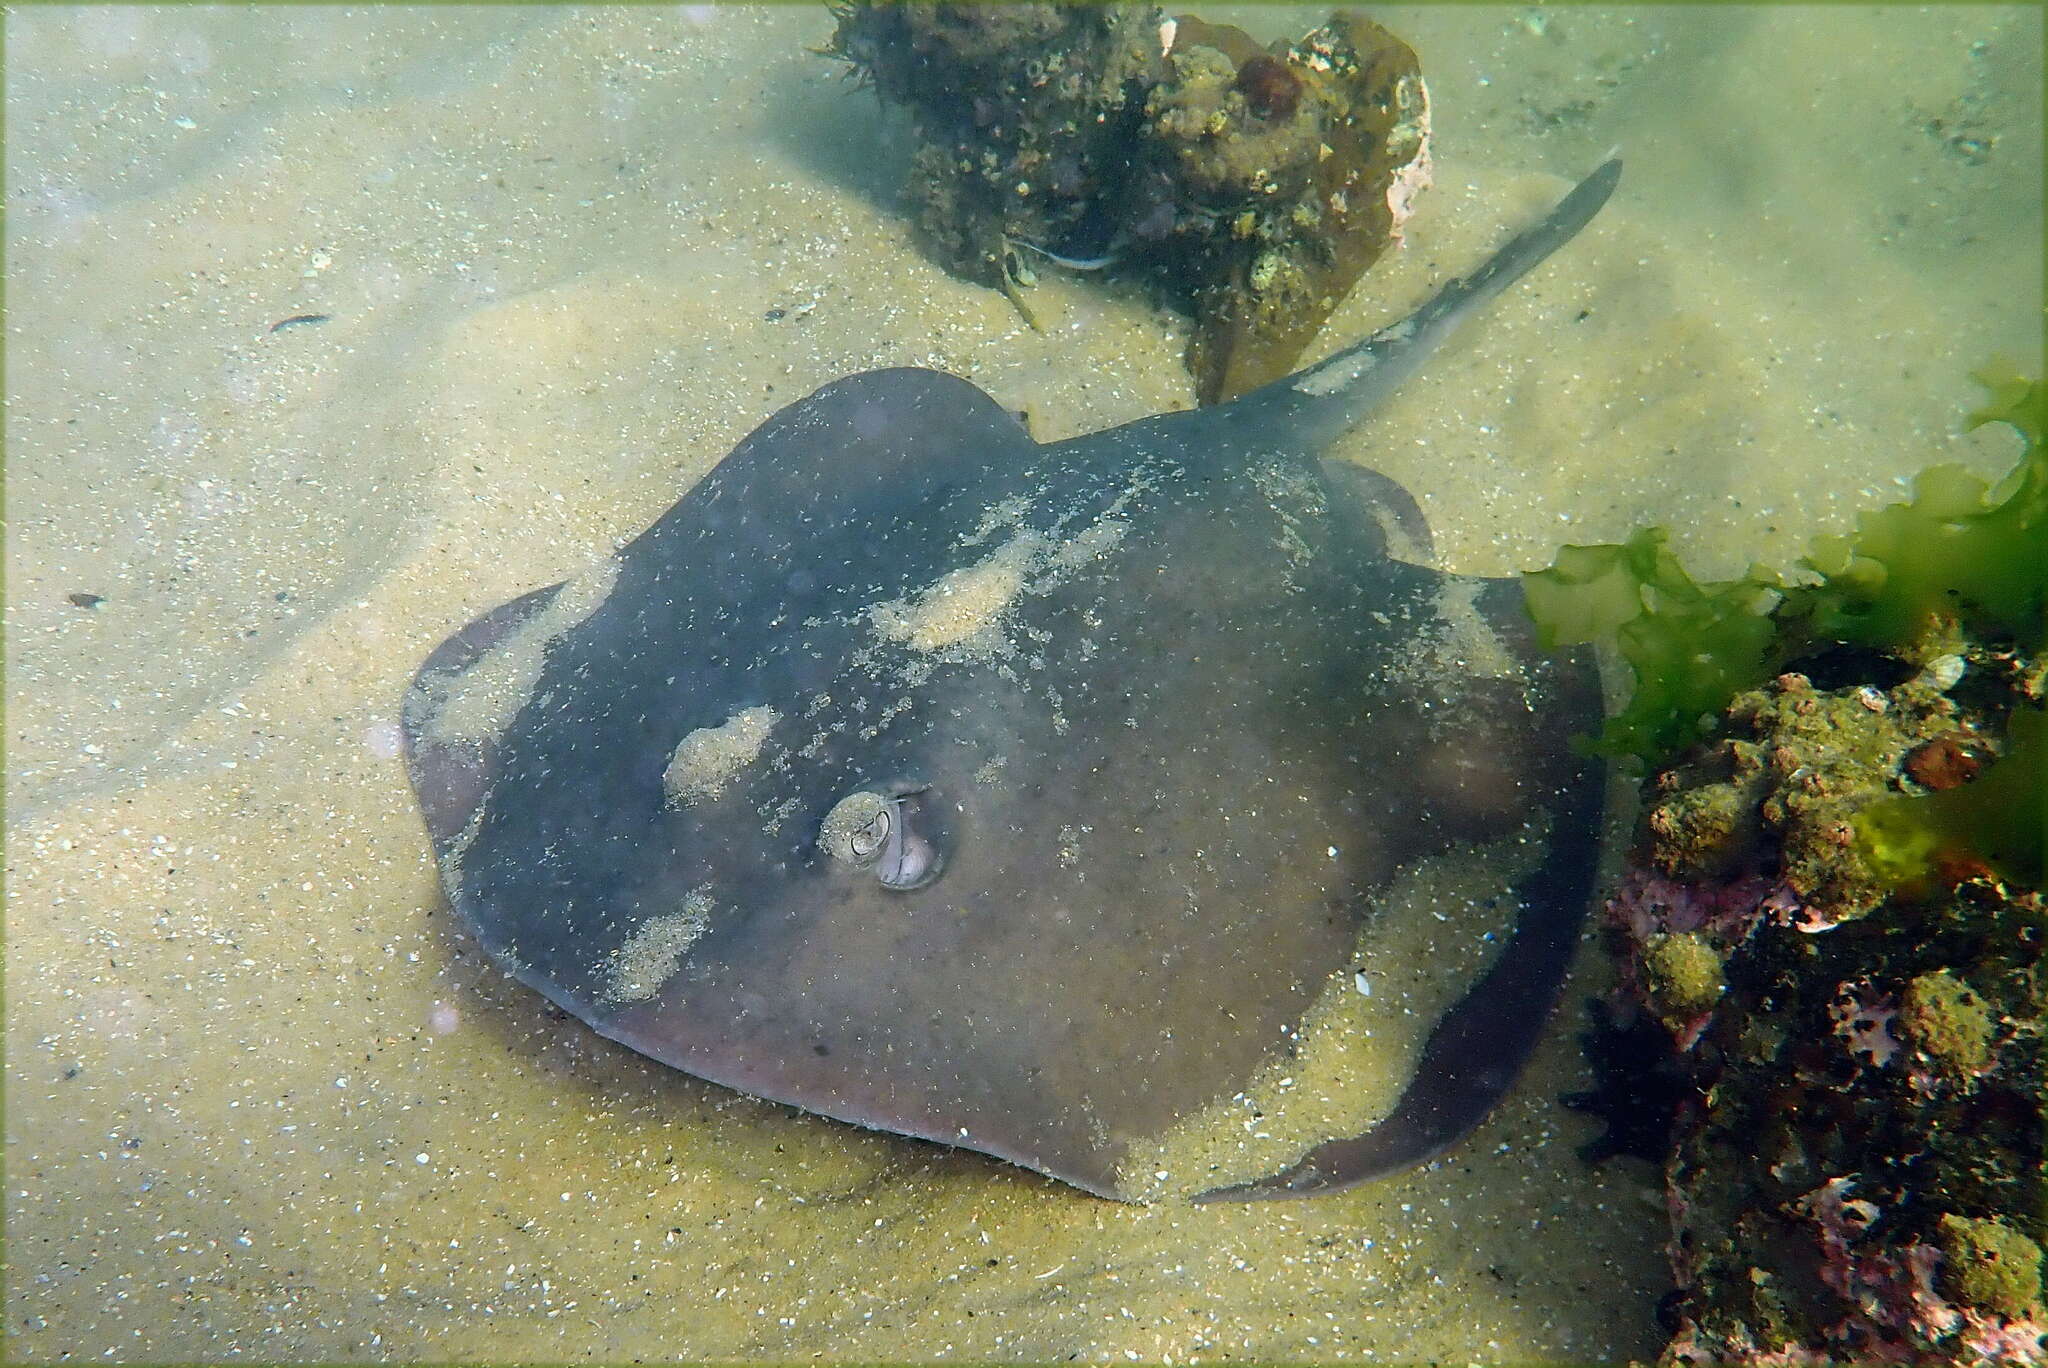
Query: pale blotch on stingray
458	847
654	950
1348	366
708	758
1091	543
963	604
481	703
1459	646
963	608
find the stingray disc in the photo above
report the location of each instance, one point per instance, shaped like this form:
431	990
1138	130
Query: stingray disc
1118	807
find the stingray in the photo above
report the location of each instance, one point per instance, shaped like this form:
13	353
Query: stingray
1144	808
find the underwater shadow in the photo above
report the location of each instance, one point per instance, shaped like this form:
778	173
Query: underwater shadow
841	133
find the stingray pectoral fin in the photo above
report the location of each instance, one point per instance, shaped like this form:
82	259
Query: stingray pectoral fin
1475	1053
450	773
1477	1049
1383	509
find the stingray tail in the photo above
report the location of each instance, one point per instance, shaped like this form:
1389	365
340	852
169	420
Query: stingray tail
1325	399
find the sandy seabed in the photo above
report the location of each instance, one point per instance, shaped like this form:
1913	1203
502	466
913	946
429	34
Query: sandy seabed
264	1099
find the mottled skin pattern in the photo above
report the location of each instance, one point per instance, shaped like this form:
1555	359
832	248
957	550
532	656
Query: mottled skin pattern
1168	771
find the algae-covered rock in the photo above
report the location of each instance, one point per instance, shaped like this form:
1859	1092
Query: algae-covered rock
1948	1022
1990	1265
1294	169
1710	831
1849	1087
1844	862
1251	185
1024	116
1795	771
1683	971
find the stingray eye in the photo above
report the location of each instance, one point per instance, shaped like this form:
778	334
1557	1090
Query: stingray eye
857	828
910	853
893	834
866	842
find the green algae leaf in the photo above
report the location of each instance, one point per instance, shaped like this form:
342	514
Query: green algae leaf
1691	646
1999	819
1590	591
2014	399
1690	660
1957	552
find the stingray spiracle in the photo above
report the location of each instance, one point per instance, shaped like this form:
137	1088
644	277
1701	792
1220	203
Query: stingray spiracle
889	833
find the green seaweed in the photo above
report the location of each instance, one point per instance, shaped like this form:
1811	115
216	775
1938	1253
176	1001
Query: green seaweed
1956	553
1948	552
1692	646
1999	820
